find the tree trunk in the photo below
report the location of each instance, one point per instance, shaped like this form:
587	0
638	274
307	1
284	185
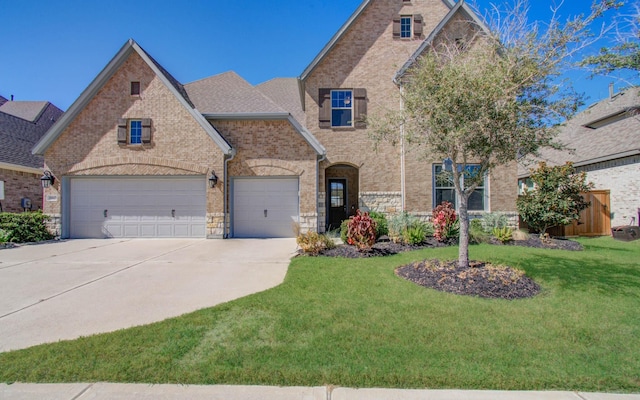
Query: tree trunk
463	216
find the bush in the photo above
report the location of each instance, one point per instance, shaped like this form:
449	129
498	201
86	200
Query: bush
25	227
4	236
361	231
494	220
344	230
381	223
477	234
503	234
445	222
415	234
314	242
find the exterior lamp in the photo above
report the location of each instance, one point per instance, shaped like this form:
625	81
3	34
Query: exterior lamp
47	179
213	179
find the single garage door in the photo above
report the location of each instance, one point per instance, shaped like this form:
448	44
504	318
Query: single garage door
131	207
265	207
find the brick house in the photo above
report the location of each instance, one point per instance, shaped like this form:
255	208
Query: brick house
140	154
22	125
603	141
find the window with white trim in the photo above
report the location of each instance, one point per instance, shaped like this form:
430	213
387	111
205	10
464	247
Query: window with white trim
444	189
341	108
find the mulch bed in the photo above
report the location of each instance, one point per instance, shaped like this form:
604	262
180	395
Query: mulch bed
479	279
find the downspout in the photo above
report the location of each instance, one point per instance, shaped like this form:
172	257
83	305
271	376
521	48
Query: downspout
402	160
225	194
320	159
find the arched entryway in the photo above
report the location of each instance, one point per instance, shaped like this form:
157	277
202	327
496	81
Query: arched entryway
342	182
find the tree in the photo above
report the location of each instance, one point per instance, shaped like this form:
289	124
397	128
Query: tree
556	198
625	55
485	97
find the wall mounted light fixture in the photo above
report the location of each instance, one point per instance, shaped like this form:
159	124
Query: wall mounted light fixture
47	179
213	179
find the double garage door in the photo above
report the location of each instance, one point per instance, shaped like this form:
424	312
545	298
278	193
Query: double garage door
137	207
157	207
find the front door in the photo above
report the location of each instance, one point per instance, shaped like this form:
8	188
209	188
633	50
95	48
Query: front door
337	189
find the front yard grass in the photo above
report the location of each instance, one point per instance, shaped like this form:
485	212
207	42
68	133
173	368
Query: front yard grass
354	323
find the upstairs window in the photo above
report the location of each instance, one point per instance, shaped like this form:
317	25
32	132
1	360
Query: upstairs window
135	131
405	26
341	108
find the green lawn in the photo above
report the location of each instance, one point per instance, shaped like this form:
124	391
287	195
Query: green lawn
354	323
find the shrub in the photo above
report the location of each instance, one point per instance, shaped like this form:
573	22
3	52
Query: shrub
445	222
503	234
344	230
25	227
400	224
4	236
415	234
381	223
361	231
314	242
494	220
477	234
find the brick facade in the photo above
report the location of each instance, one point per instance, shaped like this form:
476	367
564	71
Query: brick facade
368	56
622	178
18	185
179	145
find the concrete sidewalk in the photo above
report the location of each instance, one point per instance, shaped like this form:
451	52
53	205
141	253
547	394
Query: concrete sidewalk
117	391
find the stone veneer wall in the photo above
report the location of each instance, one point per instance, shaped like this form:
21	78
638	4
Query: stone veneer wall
622	178
385	202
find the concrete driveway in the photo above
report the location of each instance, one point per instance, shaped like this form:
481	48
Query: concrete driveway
64	290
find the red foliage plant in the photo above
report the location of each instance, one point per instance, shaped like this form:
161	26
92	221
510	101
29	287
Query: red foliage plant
444	218
361	231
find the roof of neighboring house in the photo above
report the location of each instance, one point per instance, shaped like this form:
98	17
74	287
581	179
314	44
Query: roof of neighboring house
228	93
2	100
285	93
607	130
116	62
22	125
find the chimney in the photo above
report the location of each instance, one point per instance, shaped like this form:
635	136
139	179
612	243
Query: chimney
11	97
611	90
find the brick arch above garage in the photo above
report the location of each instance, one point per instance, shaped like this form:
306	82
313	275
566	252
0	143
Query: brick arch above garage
137	165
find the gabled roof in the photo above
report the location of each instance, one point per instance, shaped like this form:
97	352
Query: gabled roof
229	97
618	138
285	93
341	32
18	135
229	93
460	7
171	83
27	110
2	100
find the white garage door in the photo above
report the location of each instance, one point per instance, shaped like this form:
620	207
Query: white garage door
137	207
265	207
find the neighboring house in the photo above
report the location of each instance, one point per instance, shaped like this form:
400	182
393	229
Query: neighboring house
603	141
140	154
22	125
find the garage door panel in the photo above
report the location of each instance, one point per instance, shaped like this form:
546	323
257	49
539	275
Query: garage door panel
252	196
137	207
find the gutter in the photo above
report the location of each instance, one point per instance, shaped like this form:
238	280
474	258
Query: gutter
610	157
225	192
21	168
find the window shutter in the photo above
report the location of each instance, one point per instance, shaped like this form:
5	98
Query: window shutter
417	25
360	107
324	101
146	130
122	130
396	26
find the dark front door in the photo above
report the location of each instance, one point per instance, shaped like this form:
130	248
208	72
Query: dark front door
337	189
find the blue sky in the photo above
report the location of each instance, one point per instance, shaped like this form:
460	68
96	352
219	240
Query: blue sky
51	50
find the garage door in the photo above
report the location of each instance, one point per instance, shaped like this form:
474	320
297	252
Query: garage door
137	207
265	207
